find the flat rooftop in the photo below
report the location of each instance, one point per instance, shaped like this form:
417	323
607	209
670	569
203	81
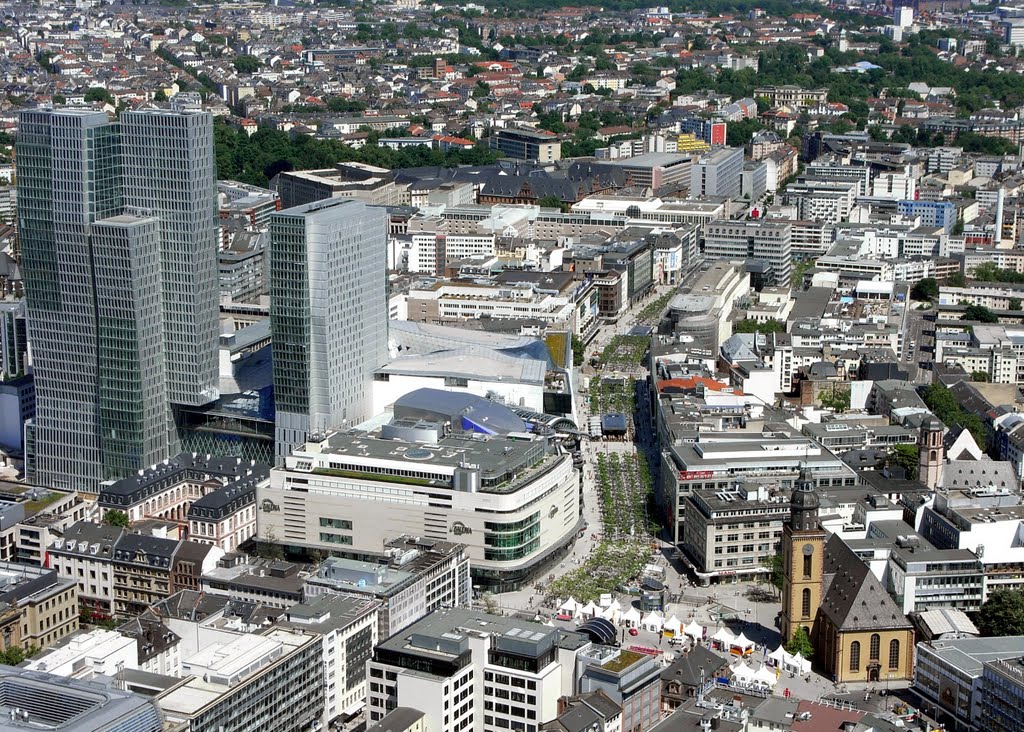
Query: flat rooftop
186	700
68	705
970	654
495	455
650	160
455	623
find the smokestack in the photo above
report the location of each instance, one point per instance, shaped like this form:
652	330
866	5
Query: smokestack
997	235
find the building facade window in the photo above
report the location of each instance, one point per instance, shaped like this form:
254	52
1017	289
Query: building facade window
855	656
806	602
894	654
876	646
807	566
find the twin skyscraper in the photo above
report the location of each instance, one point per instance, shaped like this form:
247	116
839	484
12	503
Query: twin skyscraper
118	231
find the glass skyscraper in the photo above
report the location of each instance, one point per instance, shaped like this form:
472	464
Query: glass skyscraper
102	244
328	315
169	172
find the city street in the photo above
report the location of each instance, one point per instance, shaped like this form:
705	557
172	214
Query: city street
745	607
920	332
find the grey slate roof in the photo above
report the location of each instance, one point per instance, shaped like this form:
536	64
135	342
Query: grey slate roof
852	597
157	552
686	669
103	537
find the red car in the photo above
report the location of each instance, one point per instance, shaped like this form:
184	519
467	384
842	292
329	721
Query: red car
634	631
563	616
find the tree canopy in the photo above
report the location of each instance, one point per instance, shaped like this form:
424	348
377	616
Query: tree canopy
749	325
925	289
948	409
257	159
904	456
98	94
113	517
980	313
1002	614
247	64
801	643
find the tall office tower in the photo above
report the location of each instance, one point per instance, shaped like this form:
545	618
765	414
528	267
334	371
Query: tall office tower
169	172
328	315
135	424
119	254
68	177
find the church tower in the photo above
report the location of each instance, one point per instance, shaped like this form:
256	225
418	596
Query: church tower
930	452
803	556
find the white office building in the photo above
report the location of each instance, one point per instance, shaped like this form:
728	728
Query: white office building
469	670
445	466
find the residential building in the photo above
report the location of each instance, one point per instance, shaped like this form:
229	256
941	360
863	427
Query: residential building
717	173
273	682
524	144
347	625
402	719
767	242
480	671
594	711
46	604
62	704
949	677
327	266
413	578
142	572
435	472
189	562
85	554
158	648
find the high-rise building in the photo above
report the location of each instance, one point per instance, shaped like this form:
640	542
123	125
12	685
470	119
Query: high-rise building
119	255
135	423
68	165
169	171
328	315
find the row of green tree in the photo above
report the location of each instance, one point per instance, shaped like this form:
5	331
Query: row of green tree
989	272
944	405
258	158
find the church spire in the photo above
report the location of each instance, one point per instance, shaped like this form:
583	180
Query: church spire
804	504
